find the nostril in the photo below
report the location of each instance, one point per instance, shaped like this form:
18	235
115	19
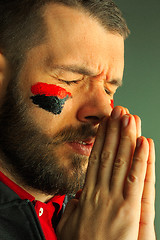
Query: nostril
93	119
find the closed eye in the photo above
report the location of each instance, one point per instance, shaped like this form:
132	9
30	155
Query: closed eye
70	82
108	92
77	81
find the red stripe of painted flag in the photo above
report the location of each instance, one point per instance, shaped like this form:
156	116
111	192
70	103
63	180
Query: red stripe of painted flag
112	103
49	90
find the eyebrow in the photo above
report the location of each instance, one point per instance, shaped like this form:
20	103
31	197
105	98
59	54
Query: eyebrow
74	69
116	82
84	71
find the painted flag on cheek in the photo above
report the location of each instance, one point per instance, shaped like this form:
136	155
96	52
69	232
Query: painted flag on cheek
112	103
49	97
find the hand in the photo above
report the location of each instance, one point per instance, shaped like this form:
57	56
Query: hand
110	204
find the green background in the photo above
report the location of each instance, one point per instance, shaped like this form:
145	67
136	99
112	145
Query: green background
141	90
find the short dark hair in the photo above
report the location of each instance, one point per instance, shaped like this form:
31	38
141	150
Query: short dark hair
22	26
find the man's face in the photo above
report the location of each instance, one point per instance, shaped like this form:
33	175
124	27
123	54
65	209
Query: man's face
64	89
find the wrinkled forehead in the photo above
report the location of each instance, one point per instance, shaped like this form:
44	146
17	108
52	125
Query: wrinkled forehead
74	35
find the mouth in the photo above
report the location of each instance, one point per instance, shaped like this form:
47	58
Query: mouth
83	147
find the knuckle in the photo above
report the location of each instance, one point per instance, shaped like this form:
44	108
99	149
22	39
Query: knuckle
93	158
146	201
132	178
84	199
100	197
85	195
139	160
128	133
150	181
97	196
126	137
113	129
150	162
119	162
105	156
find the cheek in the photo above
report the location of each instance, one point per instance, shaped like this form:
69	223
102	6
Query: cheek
49	97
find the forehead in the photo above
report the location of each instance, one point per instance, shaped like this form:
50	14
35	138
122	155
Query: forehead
74	37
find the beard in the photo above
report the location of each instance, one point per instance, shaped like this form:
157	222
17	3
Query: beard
32	157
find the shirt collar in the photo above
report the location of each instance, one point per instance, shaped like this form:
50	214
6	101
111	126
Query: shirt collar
24	194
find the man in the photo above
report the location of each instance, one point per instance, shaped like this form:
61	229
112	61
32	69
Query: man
61	63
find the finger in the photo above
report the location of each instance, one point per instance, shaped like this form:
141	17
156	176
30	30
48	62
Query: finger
135	180
93	165
124	154
127	111
124	110
146	227
110	147
148	197
138	125
95	157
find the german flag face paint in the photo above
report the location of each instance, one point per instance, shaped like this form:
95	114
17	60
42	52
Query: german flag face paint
49	97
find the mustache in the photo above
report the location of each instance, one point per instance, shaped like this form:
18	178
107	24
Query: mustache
71	134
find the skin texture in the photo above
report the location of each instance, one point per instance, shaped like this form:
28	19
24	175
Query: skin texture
86	59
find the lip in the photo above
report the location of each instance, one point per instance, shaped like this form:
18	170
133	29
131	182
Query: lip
81	148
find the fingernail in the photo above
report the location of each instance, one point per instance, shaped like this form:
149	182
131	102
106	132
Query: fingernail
139	141
125	120
116	113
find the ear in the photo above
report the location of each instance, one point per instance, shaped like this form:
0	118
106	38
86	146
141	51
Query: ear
4	76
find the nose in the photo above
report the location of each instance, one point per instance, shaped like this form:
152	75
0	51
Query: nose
95	106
